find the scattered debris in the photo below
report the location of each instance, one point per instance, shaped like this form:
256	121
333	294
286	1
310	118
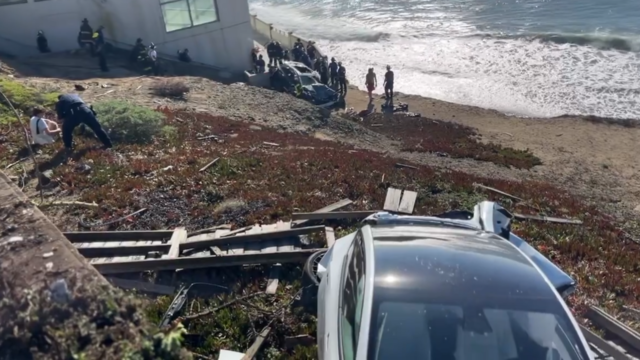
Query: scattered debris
60	291
15	163
498	192
79	87
406	166
208	137
547	219
66	203
257	344
88	226
290	342
270	143
47	255
400	201
15	239
103	94
48	266
209	164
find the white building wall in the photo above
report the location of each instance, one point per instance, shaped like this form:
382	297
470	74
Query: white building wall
226	43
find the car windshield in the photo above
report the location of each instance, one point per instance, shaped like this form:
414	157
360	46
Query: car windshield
306	80
497	331
303	69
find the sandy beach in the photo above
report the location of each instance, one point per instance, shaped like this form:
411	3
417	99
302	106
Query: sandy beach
579	154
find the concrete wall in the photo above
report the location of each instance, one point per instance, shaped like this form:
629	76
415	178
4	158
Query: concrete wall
226	43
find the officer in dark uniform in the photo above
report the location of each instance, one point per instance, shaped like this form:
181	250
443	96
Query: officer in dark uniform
74	111
43	43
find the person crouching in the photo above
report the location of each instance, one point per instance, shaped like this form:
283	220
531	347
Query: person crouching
73	111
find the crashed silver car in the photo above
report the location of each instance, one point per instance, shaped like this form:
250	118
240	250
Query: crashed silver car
458	286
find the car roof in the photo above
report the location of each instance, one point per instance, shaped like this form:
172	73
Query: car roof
462	261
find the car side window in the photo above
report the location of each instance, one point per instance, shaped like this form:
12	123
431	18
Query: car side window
352	298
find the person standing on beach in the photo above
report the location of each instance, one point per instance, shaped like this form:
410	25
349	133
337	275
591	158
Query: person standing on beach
388	84
371	82
342	79
333	69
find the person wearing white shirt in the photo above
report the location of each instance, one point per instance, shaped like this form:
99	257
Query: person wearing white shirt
153	58
42	130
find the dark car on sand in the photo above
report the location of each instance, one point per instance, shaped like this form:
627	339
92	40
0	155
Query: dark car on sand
459	286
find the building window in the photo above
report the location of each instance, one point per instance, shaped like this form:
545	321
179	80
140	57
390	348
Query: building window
183	14
11	2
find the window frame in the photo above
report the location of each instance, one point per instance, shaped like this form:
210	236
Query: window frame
358	245
164	20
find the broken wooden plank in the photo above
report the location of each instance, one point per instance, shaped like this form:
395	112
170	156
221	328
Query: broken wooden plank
333	215
290	342
330	236
257	344
392	202
121	250
248	238
209	230
209	164
376	125
406	166
274	274
237	231
203	262
142	286
116	236
602	344
547	219
498	192
270	143
335	206
601	319
179	236
408	202
208	137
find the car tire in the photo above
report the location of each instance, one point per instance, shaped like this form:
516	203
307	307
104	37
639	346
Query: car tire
311	266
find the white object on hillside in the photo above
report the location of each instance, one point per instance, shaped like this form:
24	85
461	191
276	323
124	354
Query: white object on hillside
230	355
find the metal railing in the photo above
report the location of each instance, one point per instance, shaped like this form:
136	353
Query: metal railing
270	32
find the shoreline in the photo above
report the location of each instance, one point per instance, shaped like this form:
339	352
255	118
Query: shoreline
573	149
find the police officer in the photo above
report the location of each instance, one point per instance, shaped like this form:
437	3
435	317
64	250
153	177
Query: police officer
74	111
43	43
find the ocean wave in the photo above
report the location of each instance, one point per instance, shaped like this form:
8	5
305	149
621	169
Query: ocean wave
602	42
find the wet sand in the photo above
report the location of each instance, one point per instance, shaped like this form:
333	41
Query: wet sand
572	149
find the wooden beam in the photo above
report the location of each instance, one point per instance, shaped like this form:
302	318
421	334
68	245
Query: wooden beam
253	350
406	166
205	243
142	286
330	236
603	344
179	236
236	231
333	215
392	201
116	236
548	219
333	207
498	192
204	168
274	274
121	250
408	202
603	320
203	262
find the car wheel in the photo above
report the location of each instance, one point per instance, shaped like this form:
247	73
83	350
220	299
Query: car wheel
311	266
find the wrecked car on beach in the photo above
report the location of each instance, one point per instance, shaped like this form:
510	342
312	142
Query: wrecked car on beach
459	285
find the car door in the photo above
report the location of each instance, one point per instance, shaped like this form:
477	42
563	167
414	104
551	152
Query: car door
352	298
